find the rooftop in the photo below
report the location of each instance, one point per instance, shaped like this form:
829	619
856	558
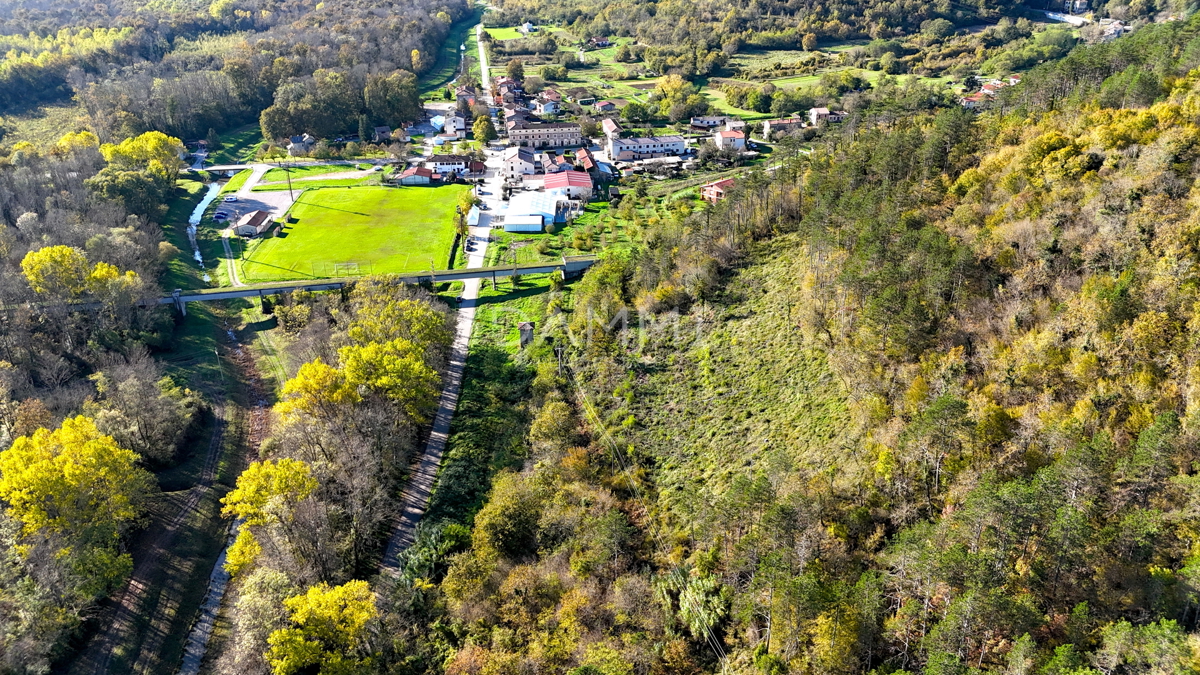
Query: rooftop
545	125
568	179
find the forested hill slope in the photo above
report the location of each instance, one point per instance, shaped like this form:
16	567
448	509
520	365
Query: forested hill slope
184	68
941	417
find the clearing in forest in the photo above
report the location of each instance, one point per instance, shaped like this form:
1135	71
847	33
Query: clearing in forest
361	230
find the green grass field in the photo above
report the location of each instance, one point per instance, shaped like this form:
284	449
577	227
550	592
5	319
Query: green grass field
182	271
306	171
505	33
45	125
383	230
462	32
237	146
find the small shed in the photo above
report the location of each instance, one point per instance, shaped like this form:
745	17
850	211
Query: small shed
525	328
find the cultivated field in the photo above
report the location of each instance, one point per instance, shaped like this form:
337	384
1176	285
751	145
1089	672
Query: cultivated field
361	230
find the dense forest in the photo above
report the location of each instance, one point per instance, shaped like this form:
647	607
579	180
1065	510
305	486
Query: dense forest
186	70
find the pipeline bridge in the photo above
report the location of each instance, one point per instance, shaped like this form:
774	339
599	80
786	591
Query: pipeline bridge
570	267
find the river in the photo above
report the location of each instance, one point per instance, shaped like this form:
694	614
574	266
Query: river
214	189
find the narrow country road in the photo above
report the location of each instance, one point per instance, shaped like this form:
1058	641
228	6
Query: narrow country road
484	73
415	498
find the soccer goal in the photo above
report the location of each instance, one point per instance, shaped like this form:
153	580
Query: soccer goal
343	269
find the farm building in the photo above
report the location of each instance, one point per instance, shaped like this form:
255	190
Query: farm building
532	223
417	175
548	206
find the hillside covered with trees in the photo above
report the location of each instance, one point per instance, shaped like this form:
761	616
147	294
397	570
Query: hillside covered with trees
920	396
927	406
186	68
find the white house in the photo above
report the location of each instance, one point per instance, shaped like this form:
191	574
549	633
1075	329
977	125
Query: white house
611	129
545	107
445	164
708	122
627	149
730	139
455	124
300	145
519	162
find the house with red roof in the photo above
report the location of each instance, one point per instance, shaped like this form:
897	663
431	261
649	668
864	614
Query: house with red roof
716	190
735	140
611	129
575	184
584	158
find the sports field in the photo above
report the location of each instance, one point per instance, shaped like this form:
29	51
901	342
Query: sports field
361	230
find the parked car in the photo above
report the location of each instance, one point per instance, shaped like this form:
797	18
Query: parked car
231	198
220	216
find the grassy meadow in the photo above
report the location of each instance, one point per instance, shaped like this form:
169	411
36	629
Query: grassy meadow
733	384
385	230
237	146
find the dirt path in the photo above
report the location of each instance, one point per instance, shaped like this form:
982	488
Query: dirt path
152	562
147	570
196	647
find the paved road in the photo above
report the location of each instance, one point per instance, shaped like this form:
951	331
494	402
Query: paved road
415	498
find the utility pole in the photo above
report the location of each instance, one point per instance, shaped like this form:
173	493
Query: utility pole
287	172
